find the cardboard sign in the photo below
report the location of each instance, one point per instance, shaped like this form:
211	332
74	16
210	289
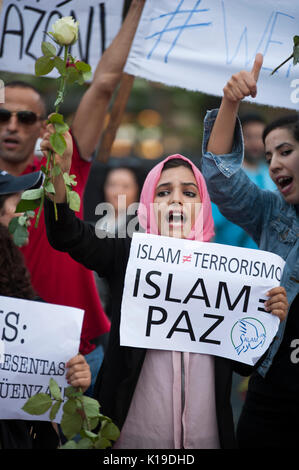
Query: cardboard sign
184	295
37	339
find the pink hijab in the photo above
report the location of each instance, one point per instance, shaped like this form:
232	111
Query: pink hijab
203	229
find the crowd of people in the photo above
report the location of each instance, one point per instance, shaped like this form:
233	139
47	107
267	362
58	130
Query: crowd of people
141	389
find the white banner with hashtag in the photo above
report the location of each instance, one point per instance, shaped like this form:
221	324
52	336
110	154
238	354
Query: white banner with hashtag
191	296
199	44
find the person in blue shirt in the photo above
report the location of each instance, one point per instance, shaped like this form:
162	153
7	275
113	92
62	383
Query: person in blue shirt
228	233
271	411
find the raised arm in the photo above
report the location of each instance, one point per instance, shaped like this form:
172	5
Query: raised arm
240	85
69	233
88	122
230	188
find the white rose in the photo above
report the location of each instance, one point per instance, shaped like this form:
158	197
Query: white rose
65	31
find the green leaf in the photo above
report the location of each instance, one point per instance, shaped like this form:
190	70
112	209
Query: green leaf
13	224
74	201
103	418
110	431
38	404
87	76
30	214
56	170
56	118
32	194
296	40
27	205
48	49
91	406
67	179
89	434
20	235
58	143
73	180
296	55
93	422
22	220
49	187
69	445
72	75
72	392
59	65
85	443
102	443
71	424
70	406
43	66
61	128
83	67
54	410
54	389
81	79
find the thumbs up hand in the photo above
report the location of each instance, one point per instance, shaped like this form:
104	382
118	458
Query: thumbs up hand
244	83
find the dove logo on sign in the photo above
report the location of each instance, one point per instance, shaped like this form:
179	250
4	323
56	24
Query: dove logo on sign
247	333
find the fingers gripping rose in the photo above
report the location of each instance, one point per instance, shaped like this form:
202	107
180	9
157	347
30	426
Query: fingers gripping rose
65	31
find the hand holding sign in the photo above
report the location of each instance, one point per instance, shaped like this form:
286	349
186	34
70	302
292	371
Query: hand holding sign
244	83
78	372
278	302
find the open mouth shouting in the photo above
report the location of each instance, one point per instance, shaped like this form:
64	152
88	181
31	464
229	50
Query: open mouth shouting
175	217
177	221
284	184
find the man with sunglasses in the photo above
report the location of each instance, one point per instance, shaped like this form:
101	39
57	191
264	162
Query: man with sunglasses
22	122
55	276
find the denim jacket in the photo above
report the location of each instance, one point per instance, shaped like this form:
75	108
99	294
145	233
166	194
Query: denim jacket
269	220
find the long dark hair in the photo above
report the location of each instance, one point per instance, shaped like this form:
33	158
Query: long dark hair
290	122
14	277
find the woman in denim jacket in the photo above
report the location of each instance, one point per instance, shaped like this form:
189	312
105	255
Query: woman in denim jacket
271	411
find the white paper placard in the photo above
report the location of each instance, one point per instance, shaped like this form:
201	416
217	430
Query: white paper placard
23	25
37	340
198	297
199	44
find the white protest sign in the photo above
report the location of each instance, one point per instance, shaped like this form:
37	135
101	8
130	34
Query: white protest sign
23	24
38	339
185	295
199	44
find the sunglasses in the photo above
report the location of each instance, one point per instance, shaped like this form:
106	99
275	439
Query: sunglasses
24	117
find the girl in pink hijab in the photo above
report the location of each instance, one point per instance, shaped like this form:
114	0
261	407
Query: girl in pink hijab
201	225
174	403
159	399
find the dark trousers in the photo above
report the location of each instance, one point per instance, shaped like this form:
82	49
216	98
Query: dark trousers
269	422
